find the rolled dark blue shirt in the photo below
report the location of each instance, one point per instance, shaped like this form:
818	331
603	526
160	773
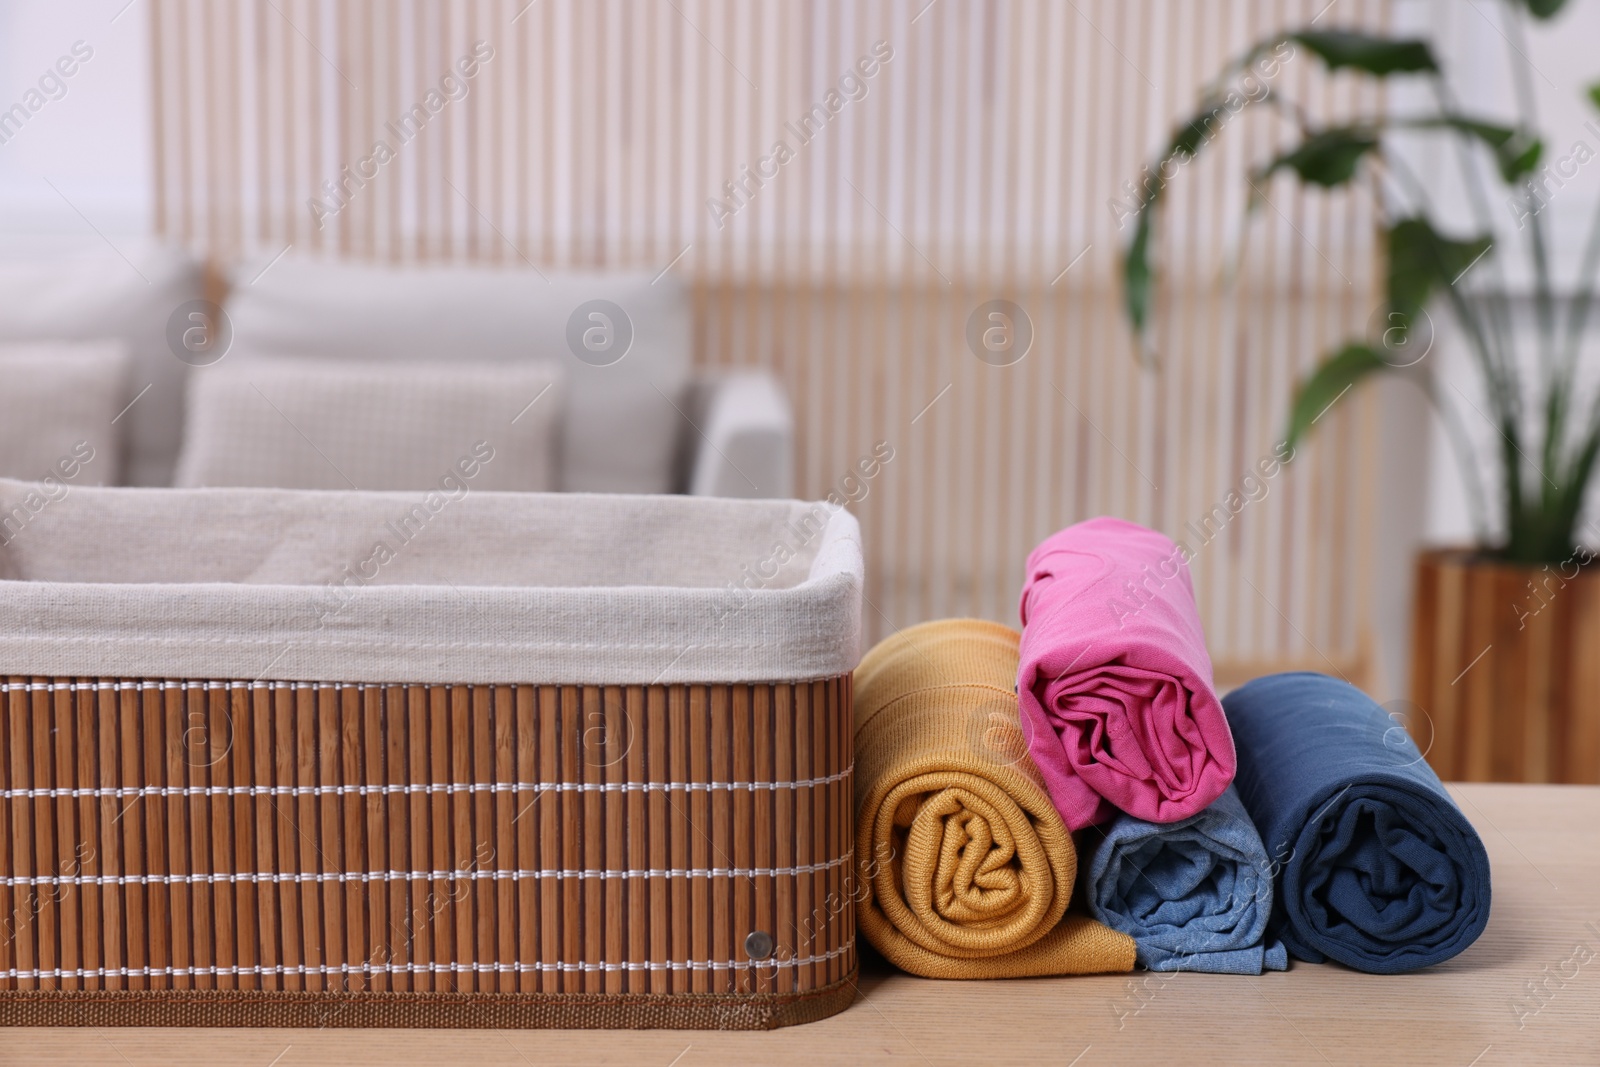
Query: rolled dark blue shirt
1380	870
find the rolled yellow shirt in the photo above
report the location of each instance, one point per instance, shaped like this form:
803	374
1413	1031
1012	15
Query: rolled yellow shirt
966	865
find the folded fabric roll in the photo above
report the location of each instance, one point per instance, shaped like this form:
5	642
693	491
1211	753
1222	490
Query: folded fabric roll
1115	682
1194	895
1380	869
964	868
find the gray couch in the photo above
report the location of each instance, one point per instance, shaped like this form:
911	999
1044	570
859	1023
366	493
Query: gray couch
636	416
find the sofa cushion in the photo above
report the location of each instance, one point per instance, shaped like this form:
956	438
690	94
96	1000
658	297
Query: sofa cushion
625	374
59	408
80	292
321	424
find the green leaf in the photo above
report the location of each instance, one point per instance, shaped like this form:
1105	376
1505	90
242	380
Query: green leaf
1136	272
1186	140
1420	259
1330	381
1514	165
1543	9
1367	52
1569	507
1516	151
1594	94
1328	158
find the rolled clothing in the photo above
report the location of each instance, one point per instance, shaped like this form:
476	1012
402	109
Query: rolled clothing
1115	682
964	868
1380	871
1194	895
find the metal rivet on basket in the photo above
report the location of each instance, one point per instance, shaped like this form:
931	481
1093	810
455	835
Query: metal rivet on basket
758	945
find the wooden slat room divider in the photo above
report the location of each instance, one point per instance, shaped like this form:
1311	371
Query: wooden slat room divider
934	156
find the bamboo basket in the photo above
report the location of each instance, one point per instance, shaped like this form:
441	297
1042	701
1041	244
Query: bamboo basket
490	852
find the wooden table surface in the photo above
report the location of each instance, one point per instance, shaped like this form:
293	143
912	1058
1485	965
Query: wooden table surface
1478	1010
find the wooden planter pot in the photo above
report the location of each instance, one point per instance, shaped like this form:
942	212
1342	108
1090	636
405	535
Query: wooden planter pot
1505	674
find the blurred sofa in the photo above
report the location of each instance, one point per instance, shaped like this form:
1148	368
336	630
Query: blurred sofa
64	294
386	370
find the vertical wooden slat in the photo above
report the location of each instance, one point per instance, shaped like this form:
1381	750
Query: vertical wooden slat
683	905
20	749
1538	647
377	943
576	929
169	745
633	767
721	825
184	100
303	827
805	902
418	924
1579	759
701	856
219	755
439	912
10	895
504	838
231	105
763	846
1482	608
551	812
827	848
660	822
845	792
348	812
292	899
525	822
790	931
90	714
238	809
192	748
611	754
321	106
270	897
589	762
46	920
327	830
392	919
160	68
477	848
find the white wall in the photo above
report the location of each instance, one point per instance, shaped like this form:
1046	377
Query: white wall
93	142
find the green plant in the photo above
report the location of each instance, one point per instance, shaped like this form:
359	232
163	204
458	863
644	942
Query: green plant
1546	458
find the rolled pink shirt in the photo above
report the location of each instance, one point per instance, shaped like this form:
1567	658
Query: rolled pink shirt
1115	684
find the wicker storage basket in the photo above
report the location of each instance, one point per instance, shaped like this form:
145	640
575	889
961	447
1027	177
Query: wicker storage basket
551	760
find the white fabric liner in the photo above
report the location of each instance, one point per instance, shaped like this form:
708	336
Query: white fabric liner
426	587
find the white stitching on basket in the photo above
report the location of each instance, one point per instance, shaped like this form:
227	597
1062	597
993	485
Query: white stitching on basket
306	877
433	968
124	791
137	686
